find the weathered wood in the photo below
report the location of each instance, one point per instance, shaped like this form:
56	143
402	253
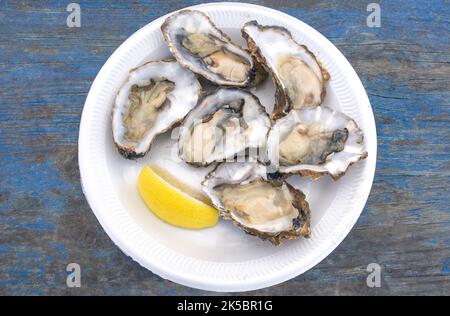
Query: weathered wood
46	70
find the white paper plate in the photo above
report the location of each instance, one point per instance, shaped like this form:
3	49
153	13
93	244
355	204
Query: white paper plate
222	258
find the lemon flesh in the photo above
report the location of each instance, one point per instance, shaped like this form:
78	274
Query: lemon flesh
173	201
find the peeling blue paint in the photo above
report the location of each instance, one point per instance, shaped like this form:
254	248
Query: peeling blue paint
446	266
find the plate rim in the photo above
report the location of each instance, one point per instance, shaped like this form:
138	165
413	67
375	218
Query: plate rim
195	282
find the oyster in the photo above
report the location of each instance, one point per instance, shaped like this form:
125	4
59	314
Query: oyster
315	141
270	209
200	46
299	77
223	125
155	96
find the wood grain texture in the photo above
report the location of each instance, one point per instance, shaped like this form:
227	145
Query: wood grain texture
46	70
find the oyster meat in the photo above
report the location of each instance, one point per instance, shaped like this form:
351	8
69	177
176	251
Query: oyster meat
224	124
199	45
315	141
299	77
260	205
155	96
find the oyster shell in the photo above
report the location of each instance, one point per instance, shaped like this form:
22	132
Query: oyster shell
155	96
315	141
199	45
245	194
224	124
299	77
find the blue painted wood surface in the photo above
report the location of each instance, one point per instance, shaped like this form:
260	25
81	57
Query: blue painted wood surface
46	70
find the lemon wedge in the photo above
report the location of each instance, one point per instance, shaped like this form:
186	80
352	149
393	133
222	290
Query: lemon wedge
173	201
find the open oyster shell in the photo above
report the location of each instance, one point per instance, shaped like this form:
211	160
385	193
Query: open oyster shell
199	45
260	205
315	141
299	77
223	124
155	96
